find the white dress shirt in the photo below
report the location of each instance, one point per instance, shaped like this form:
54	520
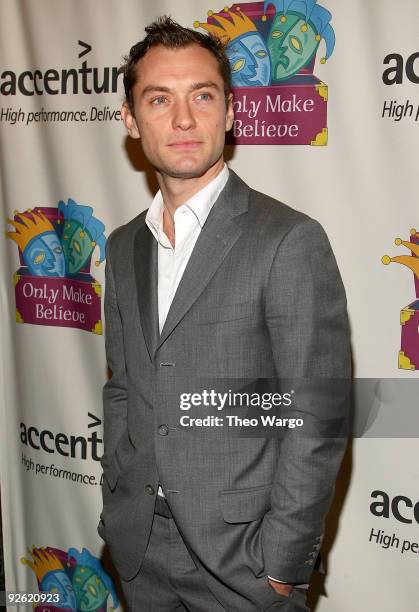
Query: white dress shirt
189	219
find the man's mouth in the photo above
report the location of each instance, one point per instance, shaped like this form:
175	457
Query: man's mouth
185	144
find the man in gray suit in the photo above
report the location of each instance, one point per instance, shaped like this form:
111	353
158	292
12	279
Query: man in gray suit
216	283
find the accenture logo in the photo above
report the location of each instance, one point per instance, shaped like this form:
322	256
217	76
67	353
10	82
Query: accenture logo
83	79
75	447
400	507
398	67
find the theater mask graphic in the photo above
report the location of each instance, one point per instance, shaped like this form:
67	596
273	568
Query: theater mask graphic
273	47
409	315
75	580
54	285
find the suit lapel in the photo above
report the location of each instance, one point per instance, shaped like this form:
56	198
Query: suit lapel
145	263
217	237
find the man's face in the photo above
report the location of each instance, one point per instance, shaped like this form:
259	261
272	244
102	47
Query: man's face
180	111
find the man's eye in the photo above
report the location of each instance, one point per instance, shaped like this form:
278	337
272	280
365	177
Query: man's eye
158	101
204	96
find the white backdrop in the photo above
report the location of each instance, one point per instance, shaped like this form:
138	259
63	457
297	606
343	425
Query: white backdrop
361	185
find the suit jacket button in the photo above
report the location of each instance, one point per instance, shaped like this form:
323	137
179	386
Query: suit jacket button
149	489
163	430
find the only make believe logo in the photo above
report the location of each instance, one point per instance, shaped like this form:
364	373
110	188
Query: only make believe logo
272	48
75	581
53	285
409	315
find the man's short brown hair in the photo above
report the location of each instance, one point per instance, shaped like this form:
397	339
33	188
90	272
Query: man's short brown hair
167	33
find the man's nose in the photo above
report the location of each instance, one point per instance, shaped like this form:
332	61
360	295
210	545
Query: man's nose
183	117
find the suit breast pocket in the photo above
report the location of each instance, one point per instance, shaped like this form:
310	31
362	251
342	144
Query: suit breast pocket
223	313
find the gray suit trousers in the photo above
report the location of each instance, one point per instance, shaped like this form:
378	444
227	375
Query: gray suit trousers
169	580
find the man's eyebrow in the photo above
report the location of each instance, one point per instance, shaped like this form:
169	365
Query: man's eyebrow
155	88
193	87
204	84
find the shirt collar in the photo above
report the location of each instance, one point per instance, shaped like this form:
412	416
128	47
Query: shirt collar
200	203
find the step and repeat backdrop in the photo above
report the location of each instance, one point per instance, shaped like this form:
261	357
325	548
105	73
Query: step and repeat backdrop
326	99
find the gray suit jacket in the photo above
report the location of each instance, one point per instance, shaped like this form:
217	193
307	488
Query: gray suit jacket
261	297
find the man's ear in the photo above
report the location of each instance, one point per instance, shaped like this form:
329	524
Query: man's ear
229	112
129	121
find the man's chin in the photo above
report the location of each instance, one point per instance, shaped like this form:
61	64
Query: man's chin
185	174
186	170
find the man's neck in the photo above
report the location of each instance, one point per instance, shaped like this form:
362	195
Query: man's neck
176	191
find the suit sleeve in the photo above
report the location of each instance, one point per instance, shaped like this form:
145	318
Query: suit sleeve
308	327
115	389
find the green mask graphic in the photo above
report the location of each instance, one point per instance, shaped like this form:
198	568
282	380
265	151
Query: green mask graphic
89	588
82	232
78	245
291	43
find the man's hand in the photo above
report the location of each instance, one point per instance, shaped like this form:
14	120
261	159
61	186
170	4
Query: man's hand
281	588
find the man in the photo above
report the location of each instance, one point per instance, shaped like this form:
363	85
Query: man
220	283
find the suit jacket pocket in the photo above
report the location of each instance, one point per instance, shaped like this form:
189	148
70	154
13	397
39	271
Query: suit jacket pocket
101	529
228	312
245	505
129	470
123	459
111	472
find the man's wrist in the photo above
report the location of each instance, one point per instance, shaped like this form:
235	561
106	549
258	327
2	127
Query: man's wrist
300	586
283	588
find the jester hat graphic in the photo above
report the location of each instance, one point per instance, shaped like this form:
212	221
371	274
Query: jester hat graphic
410	261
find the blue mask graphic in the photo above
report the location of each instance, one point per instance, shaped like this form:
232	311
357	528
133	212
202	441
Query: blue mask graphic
249	60
44	255
58	582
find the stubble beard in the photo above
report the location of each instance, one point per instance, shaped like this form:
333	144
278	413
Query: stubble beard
174	170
